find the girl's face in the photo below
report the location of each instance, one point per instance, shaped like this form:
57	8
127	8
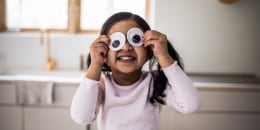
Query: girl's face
128	59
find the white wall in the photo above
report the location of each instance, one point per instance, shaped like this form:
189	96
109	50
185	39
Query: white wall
213	37
210	36
24	51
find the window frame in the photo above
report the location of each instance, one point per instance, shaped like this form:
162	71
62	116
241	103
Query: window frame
2	16
73	23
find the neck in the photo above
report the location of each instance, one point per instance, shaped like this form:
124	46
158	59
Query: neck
126	79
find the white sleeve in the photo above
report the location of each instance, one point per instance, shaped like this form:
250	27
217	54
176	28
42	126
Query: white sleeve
180	91
85	101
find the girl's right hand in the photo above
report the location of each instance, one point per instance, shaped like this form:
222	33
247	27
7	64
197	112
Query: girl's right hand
98	53
98	50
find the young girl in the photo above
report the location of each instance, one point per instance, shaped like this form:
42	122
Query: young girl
124	96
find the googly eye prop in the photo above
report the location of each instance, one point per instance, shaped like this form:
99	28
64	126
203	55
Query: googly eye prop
133	36
117	41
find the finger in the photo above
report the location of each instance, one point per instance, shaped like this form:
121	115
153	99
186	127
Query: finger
150	43
156	38
151	36
151	40
100	49
101	41
104	38
152	32
99	44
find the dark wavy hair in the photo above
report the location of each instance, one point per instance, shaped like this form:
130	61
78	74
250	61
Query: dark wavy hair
160	80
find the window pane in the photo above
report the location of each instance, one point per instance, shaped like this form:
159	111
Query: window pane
37	14
95	12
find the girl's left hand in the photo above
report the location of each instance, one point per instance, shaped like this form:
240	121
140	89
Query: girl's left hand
158	43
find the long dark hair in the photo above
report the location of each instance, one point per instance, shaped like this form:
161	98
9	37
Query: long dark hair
160	80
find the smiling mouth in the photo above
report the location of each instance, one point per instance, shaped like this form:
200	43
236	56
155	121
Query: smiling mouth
126	58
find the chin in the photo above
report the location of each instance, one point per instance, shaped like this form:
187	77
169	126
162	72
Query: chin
127	71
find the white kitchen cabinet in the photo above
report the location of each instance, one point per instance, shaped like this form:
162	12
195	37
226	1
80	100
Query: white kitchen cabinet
224	107
10	114
236	100
230	108
41	118
63	94
36	117
171	120
218	121
10	118
7	92
55	116
93	126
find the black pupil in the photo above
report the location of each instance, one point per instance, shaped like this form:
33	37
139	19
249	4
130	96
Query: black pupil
116	43
136	38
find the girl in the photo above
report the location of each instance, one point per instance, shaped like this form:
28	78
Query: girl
124	96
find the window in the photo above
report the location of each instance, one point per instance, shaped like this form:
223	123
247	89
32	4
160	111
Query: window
37	14
95	12
66	15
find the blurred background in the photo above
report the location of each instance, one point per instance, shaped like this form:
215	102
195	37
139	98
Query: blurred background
45	43
211	36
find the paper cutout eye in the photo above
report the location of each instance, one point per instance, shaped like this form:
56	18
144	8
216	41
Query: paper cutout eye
134	37
117	41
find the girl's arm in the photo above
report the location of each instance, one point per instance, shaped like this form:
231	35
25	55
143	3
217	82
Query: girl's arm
180	92
89	95
85	103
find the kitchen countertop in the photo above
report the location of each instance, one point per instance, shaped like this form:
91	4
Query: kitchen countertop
56	76
225	78
226	81
75	77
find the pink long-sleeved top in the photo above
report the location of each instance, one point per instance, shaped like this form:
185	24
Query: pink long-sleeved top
127	107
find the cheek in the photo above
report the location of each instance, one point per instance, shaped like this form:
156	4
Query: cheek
110	56
142	54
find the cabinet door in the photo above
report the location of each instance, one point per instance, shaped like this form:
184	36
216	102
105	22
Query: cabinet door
93	126
49	118
63	95
220	110
168	120
217	121
7	93
10	118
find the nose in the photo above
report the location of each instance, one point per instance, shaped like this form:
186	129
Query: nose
127	46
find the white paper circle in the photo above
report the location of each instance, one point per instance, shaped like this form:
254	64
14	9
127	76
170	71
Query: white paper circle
131	33
117	36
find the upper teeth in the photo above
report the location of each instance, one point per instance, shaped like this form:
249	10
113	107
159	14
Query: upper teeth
126	58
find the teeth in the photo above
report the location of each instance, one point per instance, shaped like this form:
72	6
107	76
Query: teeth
125	58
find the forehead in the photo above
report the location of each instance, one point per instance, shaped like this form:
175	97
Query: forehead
123	26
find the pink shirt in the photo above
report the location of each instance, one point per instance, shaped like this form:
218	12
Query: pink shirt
127	107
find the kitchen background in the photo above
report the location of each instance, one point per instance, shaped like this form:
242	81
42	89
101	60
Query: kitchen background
213	38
